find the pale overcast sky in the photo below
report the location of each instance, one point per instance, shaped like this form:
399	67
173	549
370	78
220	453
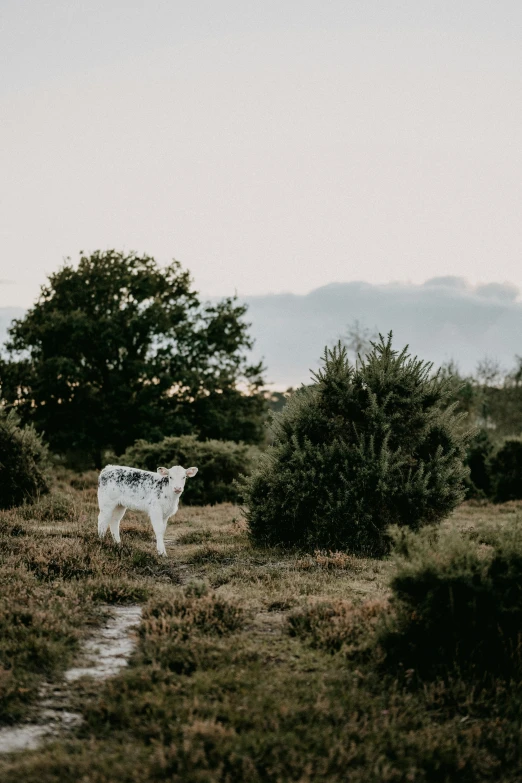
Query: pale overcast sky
270	146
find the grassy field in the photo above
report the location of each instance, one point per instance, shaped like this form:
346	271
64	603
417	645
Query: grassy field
251	664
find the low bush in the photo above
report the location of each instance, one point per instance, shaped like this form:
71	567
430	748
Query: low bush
339	625
506	471
457	602
196	609
220	464
478	459
23	462
170	628
115	590
54	507
494	472
86	480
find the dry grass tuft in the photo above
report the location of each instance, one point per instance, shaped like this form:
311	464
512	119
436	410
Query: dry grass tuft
186	612
330	561
339	625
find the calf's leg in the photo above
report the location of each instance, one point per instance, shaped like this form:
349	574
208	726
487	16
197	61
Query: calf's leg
156	517
117	516
104	518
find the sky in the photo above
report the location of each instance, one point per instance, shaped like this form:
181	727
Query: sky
271	147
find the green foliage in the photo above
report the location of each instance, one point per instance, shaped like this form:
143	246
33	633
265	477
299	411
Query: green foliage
23	462
276	400
499	398
495	469
506	470
491	398
458	602
479	451
120	348
219	463
361	449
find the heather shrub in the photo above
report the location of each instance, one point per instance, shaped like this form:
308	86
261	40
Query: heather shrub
364	447
339	625
457	602
219	464
54	507
170	627
87	479
23	462
194	610
506	471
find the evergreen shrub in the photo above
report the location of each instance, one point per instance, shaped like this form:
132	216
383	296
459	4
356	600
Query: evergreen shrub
457	602
360	449
479	453
506	470
220	463
23	462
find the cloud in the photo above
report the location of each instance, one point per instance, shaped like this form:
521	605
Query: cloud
4	281
442	319
450	281
504	291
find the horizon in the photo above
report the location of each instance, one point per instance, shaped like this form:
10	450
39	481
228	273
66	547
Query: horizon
505	288
443	319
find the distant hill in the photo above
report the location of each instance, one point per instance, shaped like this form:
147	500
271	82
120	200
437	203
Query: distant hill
443	319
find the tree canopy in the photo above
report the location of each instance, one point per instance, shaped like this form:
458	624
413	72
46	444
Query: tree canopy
119	348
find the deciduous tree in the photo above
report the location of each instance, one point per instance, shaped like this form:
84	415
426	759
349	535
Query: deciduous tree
119	348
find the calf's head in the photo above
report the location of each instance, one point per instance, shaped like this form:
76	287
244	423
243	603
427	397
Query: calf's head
177	477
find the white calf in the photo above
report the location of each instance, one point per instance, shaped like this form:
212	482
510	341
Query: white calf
120	488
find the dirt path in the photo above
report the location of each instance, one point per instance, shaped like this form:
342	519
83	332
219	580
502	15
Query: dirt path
103	655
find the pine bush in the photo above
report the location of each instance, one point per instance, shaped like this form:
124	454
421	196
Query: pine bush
506	471
23	462
220	463
360	449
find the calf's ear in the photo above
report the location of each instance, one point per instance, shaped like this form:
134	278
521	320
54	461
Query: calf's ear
163	471
191	472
